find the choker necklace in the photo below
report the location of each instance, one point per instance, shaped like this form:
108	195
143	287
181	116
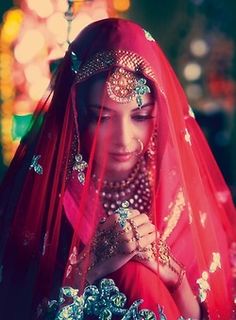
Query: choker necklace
118	184
135	189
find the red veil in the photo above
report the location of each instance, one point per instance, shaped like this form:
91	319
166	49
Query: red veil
46	212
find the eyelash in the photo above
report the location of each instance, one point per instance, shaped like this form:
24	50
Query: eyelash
141	118
138	118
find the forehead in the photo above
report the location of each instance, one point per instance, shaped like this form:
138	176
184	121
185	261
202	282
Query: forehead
98	94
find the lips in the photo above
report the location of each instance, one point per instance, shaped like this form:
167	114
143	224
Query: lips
121	157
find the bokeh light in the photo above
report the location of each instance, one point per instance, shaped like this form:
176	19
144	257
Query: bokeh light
194	91
192	71
37	89
121	5
81	21
199	47
57	25
29	46
10	29
43	8
33	37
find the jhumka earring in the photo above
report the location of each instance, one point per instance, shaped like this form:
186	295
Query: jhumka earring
80	165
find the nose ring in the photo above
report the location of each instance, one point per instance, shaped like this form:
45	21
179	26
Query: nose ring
141	147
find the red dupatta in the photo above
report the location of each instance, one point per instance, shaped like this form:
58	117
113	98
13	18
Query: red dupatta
192	207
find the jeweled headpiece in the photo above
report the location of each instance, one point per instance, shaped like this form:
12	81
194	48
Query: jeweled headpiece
122	85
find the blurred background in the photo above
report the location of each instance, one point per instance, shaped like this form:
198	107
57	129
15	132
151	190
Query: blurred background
198	36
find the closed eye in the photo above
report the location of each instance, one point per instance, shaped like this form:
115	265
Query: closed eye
142	117
94	116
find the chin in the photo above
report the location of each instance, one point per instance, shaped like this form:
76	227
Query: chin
120	170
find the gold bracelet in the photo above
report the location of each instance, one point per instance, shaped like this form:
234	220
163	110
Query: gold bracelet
163	253
178	283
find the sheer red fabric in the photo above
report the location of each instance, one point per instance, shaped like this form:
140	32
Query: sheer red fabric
46	212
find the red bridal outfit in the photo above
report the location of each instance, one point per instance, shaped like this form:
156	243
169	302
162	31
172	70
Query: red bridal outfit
52	203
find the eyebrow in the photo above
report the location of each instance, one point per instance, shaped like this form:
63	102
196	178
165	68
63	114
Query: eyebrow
96	106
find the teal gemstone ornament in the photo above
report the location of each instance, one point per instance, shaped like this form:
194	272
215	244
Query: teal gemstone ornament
102	302
35	165
140	89
75	62
123	213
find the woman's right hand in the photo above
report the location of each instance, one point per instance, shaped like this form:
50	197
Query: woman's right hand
114	246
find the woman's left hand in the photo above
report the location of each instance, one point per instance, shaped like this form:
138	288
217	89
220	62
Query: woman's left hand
170	271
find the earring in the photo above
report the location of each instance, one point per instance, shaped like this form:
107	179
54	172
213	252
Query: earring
152	147
80	165
141	147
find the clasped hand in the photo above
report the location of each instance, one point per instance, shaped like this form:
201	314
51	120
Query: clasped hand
114	245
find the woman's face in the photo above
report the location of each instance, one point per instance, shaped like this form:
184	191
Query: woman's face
122	131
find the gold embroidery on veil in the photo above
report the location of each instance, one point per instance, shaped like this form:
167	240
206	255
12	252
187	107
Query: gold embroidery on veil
175	209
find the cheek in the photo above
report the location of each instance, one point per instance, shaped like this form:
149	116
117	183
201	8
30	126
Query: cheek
87	139
145	132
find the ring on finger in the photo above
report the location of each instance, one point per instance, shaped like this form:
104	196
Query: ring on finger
137	236
127	228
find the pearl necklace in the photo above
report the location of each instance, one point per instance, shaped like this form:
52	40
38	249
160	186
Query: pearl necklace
135	189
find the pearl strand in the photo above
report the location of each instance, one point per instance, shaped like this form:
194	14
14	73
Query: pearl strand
135	189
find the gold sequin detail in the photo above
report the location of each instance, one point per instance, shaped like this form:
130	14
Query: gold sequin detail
216	262
203	217
102	61
204	286
176	209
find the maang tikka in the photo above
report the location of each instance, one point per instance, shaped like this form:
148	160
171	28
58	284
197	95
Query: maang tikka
122	87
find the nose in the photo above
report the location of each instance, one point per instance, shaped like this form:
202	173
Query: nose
122	133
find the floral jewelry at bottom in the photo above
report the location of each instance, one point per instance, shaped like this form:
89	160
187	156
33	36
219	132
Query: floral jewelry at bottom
102	302
99	302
